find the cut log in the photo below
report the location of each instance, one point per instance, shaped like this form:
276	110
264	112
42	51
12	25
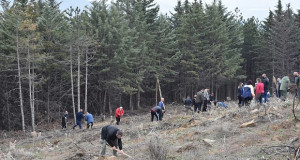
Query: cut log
248	124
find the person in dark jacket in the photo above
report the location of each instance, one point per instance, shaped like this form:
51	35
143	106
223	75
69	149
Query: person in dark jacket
265	81
188	104
212	99
156	111
111	135
64	119
79	116
89	120
240	93
194	100
199	100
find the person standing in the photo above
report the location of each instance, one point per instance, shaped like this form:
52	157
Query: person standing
199	101
188	104
119	113
266	87
285	81
240	93
212	99
259	90
206	99
297	82
156	111
79	116
113	136
278	87
64	119
162	106
89	120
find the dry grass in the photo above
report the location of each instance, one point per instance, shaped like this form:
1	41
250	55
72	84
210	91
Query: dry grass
178	136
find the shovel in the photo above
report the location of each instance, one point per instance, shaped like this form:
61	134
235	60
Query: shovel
119	151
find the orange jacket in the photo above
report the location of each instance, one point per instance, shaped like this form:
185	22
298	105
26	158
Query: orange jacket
119	112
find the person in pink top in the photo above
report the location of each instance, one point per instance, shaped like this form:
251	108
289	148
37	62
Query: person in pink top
259	90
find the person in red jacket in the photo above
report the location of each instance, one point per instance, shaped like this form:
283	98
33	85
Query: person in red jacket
119	114
259	90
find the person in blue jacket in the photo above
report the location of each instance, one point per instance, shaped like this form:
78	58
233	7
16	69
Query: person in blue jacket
162	107
79	116
89	120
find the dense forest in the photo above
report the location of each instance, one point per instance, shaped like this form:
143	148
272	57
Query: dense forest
126	53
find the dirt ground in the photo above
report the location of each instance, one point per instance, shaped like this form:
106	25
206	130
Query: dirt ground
215	134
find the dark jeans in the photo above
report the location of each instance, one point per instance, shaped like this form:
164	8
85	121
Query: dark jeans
63	124
240	100
78	123
277	93
89	124
259	97
197	106
266	96
247	100
205	106
118	120
154	114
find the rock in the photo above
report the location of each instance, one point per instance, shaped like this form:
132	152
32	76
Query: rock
209	142
248	124
255	111
39	134
34	134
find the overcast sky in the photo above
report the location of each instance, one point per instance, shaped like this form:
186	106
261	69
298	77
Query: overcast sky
257	8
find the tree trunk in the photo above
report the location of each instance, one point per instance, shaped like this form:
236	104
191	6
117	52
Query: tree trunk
7	109
48	103
30	88
104	101
72	85
235	89
120	99
20	85
160	94
130	103
109	103
86	80
138	99
156	91
33	95
78	81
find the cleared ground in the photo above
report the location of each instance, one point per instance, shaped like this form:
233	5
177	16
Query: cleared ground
180	136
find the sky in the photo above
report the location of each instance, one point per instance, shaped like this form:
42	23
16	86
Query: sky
248	8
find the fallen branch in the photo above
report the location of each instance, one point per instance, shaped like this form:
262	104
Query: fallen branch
277	150
297	154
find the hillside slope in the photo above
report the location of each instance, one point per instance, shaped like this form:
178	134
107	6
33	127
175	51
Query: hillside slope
212	135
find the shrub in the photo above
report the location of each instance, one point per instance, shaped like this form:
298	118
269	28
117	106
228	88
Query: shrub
158	149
